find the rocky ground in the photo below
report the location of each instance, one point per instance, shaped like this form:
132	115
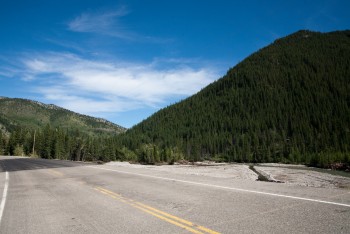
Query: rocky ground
303	176
288	174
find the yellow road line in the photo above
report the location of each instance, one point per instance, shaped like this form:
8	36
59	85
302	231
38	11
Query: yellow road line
111	194
178	219
189	226
167	220
54	172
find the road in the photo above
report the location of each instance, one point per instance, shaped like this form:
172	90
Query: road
51	196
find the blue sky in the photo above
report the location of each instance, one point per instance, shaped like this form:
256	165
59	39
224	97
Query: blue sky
124	60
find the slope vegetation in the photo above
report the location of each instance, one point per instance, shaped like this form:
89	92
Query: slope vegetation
288	102
15	112
47	131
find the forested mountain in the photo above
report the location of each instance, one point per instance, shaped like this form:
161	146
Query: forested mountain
39	130
288	102
16	112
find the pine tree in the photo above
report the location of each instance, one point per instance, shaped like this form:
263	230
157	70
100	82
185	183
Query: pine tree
2	143
286	103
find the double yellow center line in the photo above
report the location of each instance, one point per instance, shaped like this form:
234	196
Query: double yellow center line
189	226
182	223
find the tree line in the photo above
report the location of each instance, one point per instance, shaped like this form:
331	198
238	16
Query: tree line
288	102
58	143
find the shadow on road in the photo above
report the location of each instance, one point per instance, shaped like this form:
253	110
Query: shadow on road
11	163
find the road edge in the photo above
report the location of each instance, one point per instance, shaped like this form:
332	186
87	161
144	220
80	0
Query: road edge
4	195
227	188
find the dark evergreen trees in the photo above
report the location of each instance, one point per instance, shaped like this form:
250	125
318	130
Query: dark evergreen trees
2	143
289	102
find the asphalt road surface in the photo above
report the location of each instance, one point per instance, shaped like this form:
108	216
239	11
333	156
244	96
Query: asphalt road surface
51	196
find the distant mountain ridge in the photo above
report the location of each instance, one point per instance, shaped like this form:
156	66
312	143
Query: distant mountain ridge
17	112
288	102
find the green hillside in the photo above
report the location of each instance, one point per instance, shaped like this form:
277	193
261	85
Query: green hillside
15	112
288	102
47	131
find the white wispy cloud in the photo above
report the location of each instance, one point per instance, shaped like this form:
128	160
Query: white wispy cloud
109	23
89	86
104	22
7	71
10	68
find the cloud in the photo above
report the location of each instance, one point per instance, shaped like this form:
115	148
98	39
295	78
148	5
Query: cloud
90	86
7	72
105	23
10	68
82	103
108	23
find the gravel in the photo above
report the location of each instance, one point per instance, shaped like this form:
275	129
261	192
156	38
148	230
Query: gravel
304	177
293	175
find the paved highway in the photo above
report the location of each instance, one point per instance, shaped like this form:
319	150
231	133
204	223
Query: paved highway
51	196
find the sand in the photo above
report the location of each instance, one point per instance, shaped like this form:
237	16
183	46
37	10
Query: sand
296	175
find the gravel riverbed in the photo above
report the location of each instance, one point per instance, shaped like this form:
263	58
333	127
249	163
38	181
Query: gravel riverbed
289	174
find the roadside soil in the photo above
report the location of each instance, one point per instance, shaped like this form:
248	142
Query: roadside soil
301	175
289	174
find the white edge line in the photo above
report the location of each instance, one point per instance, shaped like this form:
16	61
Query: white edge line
228	188
4	195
